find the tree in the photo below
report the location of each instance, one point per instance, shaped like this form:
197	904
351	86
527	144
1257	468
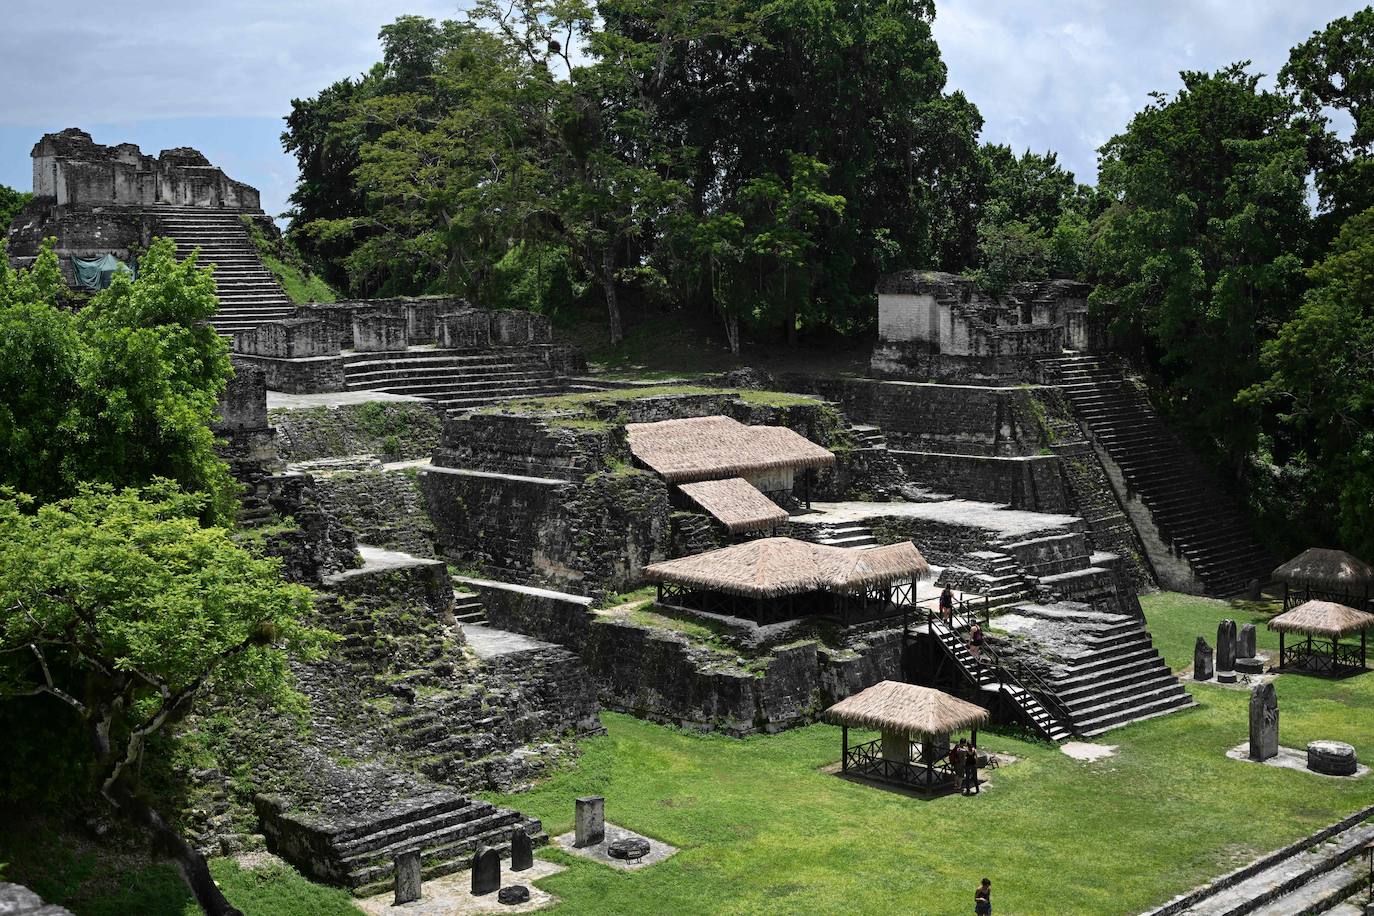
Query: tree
1334	69
123	391
1320	384
122	607
11	202
1199	255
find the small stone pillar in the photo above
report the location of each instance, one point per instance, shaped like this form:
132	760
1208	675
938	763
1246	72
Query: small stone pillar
408	877
1264	722
521	850
1333	758
1245	642
591	821
1226	652
486	871
1202	660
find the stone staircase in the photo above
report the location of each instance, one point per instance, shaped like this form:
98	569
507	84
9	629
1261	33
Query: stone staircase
1120	679
850	534
1323	873
468	607
248	292
990	673
457	379
866	436
1193	515
359	852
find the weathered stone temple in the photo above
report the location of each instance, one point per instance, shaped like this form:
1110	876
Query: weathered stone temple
101	200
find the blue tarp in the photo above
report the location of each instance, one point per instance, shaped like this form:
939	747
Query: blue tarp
95	273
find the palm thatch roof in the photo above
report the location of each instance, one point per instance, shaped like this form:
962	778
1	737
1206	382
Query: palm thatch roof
1322	618
736	504
906	709
709	448
1334	570
772	567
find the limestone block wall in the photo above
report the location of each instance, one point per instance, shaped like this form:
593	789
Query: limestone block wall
379	332
1032	482
592	536
384	508
529	446
393	430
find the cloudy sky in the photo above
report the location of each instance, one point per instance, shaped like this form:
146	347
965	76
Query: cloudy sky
219	76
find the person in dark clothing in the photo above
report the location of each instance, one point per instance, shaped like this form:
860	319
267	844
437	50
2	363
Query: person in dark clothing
971	771
956	758
982	899
947	606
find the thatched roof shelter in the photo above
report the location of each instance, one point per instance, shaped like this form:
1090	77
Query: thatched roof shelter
1331	570
906	709
736	504
1326	619
773	567
711	448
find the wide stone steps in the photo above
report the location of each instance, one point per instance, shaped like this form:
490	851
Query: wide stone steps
1323	873
1191	514
468	608
248	292
445	859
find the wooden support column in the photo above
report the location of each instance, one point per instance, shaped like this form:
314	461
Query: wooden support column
844	743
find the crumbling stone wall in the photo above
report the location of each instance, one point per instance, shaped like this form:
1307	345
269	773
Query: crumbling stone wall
391	430
384	508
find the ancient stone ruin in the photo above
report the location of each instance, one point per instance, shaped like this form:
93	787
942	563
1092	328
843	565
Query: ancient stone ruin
1264	722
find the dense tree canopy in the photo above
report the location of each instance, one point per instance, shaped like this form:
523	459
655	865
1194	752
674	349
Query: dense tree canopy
1199	254
11	202
1320	386
120	392
120	607
763	161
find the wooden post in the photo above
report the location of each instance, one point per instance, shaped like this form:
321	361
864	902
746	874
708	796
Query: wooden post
1281	646
844	742
1363	635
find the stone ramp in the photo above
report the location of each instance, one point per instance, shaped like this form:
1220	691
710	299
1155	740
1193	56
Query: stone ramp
1322	873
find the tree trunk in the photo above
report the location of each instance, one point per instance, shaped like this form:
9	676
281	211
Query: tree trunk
612	303
194	870
731	331
791	310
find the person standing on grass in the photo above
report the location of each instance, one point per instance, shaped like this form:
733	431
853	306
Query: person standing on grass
982	899
971	771
956	758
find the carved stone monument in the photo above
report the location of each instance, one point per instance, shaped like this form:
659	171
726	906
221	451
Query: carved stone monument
1264	722
1245	642
1226	652
521	850
408	877
591	821
486	871
1202	660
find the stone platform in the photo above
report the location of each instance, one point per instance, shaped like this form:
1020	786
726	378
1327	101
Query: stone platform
658	850
1289	758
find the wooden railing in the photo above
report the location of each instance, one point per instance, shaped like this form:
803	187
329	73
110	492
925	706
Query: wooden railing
867	760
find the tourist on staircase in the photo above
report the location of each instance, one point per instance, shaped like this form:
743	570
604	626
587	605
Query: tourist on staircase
947	607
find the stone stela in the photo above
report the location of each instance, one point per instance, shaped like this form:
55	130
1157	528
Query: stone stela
1264	722
591	820
1202	660
1226	652
408	877
486	871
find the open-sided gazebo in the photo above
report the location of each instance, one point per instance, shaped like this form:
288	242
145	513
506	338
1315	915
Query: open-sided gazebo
773	579
1328	575
1326	622
904	714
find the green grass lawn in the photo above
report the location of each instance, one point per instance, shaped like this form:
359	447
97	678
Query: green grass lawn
763	829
